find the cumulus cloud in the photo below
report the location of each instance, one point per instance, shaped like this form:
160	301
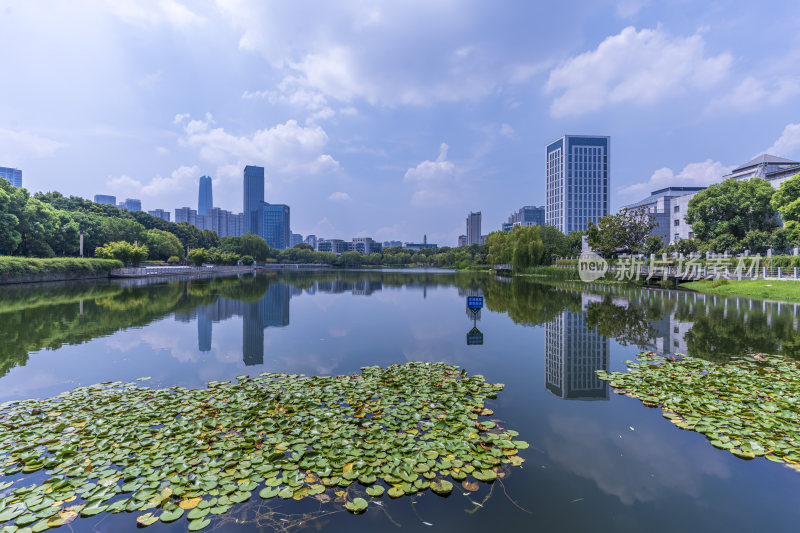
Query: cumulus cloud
182	180
698	174
384	54
18	145
788	144
154	13
752	94
339	197
434	180
639	67
287	147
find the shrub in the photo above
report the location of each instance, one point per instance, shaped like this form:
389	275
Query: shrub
173	260
247	260
16	267
198	256
719	282
123	251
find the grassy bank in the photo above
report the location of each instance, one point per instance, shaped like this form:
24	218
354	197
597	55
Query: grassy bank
22	267
786	291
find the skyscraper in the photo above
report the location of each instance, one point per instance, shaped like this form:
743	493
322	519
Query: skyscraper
12	175
275	223
160	213
253	199
474	228
130	204
205	199
105	199
576	181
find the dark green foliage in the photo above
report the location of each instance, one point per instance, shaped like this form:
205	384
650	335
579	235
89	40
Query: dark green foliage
16	267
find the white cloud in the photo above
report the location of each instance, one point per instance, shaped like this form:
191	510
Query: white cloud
414	52
339	197
628	8
788	144
289	147
154	13
16	146
506	130
634	67
435	180
693	175
752	94
179	184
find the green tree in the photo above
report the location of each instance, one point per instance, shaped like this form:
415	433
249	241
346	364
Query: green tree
10	211
627	230
123	251
555	243
198	256
786	200
653	244
732	208
162	244
247	260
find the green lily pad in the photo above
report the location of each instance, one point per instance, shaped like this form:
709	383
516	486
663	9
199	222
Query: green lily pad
171	516
442	487
200	523
358	505
376	491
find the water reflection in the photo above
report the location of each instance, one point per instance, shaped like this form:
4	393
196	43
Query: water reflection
573	352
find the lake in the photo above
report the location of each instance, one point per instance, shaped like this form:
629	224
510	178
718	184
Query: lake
597	461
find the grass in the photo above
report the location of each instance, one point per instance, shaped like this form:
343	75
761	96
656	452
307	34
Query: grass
18	267
787	291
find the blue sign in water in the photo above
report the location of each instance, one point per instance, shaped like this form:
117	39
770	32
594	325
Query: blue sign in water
474	337
474	302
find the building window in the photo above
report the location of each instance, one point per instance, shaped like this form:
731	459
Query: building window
677	237
677	222
691	235
677	209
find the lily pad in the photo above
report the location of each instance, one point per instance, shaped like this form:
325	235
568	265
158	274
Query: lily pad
358	505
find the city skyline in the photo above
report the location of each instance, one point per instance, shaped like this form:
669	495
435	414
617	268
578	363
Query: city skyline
392	148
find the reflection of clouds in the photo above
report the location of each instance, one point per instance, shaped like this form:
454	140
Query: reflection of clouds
338	332
157	339
639	467
16	388
310	364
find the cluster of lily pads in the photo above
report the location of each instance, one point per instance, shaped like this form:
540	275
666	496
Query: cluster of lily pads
749	405
175	452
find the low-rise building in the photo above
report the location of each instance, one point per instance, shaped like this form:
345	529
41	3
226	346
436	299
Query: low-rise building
668	208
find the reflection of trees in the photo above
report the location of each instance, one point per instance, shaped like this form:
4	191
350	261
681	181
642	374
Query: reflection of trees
52	316
627	324
527	302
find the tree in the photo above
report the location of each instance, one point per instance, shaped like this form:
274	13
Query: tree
786	200
653	244
162	244
247	260
123	251
555	243
626	231
732	208
198	256
303	246
249	244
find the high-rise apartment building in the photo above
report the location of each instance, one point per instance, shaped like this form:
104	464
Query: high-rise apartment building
160	213
311	240
205	198
253	199
474	228
295	239
12	175
130	204
462	240
105	199
275	221
577	169
186	214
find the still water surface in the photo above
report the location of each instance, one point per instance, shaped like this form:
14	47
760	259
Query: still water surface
597	461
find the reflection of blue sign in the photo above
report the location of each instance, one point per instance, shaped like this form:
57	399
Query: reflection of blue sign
474	303
474	337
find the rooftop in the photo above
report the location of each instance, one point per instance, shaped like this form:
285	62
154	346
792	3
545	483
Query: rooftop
765	159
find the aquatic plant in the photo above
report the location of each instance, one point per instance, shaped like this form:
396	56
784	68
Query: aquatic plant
175	452
749	406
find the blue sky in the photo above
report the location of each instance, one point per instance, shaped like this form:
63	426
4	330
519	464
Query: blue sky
389	119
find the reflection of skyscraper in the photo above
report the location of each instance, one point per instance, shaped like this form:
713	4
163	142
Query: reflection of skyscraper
270	311
252	334
203	330
572	354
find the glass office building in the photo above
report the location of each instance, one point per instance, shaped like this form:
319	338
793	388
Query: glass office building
205	199
576	181
105	199
275	221
253	199
12	175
